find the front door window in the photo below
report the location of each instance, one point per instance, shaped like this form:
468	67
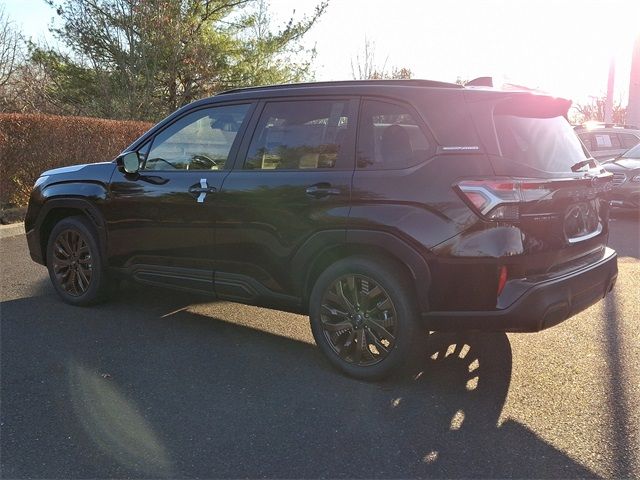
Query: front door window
201	140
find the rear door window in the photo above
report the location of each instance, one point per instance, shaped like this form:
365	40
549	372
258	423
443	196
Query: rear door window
299	135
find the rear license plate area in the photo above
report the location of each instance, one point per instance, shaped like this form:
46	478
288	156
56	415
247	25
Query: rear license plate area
582	221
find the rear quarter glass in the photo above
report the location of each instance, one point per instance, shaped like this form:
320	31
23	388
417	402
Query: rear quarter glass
448	117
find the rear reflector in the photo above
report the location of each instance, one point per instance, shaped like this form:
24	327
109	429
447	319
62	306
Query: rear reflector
478	200
505	212
502	279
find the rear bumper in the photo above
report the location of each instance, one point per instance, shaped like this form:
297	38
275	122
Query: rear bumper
542	304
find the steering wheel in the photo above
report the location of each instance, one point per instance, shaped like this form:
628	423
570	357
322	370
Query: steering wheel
202	162
158	159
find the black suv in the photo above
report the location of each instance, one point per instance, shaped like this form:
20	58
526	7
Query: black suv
383	209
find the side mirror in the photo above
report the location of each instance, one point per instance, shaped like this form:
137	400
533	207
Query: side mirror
131	162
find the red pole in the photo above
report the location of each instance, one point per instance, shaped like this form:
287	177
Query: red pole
633	108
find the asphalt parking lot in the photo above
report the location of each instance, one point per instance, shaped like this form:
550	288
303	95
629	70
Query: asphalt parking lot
157	384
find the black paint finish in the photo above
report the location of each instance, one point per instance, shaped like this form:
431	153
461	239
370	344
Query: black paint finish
263	236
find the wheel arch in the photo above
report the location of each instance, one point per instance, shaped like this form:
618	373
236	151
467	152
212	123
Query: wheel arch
325	248
57	209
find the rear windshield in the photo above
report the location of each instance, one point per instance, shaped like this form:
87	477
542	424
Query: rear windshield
546	145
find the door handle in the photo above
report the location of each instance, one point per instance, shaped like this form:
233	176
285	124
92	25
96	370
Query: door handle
201	189
320	190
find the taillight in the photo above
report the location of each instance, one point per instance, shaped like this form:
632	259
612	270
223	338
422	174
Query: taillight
499	200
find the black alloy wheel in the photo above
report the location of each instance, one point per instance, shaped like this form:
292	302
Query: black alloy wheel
72	262
364	317
359	320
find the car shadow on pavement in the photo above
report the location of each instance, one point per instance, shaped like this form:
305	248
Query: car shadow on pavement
621	383
123	390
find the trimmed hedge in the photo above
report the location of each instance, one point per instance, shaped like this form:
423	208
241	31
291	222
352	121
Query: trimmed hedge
31	144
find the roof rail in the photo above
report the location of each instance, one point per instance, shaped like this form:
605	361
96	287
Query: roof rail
406	83
595	124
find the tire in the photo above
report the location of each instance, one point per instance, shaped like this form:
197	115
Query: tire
76	268
385	315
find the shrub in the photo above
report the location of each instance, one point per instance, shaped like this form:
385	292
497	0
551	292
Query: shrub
31	144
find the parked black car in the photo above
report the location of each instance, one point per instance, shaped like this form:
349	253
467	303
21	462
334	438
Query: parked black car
383	209
626	178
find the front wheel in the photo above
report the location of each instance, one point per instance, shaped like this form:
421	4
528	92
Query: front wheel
74	262
364	318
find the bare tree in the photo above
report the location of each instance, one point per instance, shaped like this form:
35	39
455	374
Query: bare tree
365	67
595	110
403	73
10	43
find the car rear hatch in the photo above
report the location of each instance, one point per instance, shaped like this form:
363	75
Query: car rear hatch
545	184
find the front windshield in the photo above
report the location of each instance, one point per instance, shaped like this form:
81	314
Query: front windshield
544	144
633	152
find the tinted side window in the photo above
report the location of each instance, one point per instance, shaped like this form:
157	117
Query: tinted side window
390	137
588	140
200	140
628	140
299	135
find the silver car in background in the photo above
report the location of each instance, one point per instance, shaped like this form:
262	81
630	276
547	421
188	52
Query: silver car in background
626	178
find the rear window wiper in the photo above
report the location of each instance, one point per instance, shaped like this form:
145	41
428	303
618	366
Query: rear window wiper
577	166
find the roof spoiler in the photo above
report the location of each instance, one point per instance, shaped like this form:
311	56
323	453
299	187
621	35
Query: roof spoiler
506	87
532	105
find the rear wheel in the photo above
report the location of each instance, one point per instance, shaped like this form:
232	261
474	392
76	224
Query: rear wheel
74	262
364	318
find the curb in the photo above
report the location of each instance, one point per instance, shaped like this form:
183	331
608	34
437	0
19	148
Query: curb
12	230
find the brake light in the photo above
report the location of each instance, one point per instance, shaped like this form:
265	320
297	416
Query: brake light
502	279
499	200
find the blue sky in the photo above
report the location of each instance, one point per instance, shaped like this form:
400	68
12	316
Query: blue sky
562	46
